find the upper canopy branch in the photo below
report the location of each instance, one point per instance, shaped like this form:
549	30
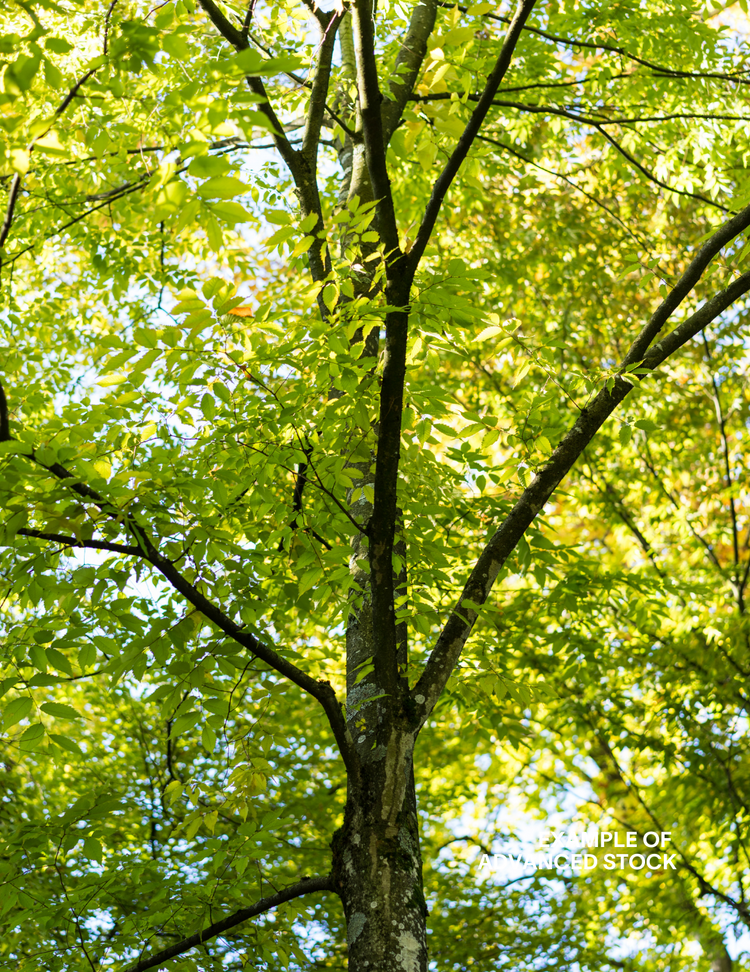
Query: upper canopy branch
370	102
300	162
612	49
469	134
477	589
408	64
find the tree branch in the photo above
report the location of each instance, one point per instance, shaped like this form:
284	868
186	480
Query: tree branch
15	187
322	691
319	88
598	125
408	64
573	185
477	589
649	175
725	234
446	177
240	43
296	161
721	420
676	504
88	544
370	101
305	886
587	45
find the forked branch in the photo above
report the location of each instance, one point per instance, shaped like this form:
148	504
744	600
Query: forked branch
469	134
461	621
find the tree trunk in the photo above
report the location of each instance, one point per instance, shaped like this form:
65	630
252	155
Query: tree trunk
377	864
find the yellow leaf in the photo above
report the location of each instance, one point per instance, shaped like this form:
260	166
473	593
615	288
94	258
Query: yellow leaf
103	468
543	445
19	161
51	144
303	245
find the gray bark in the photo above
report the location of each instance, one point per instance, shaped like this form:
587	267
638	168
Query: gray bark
377	866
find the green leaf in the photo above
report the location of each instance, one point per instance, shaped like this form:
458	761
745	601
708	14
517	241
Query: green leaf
92	849
32	737
60	710
222	187
57	660
66	743
208	738
17	710
7	683
173	791
183	723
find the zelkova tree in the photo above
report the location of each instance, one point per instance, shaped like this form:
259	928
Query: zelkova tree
249	515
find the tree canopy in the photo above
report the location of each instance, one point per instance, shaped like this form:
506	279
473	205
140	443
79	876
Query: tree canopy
374	483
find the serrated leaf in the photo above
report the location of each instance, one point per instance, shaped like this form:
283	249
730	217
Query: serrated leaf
66	743
17	710
60	710
183	723
173	791
32	737
57	660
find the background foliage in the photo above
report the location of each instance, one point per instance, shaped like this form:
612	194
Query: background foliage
161	338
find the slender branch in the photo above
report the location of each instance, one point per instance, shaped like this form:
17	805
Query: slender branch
15	186
676	504
322	691
77	219
240	43
122	548
319	89
587	45
566	113
107	18
305	886
650	175
370	100
610	495
477	589
298	162
598	125
303	83
574	185
725	234
408	64
720	418
446	177
121	191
